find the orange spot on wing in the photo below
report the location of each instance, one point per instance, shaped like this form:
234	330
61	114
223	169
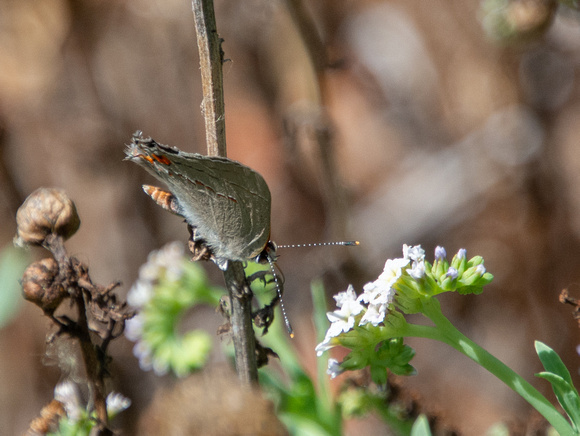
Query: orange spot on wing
161	159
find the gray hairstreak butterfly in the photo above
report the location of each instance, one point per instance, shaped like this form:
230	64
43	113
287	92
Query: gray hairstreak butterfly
226	204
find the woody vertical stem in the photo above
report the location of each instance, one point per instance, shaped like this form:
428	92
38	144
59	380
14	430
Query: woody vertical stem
210	62
210	59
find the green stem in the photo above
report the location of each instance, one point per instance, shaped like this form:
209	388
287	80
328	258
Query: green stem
446	332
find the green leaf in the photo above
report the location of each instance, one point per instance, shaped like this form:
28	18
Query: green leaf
297	424
319	302
326	403
559	377
421	427
13	262
566	394
552	362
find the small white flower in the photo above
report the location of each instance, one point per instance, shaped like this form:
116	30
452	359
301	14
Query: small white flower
381	289
462	253
380	293
440	253
116	403
134	328
143	352
374	315
342	320
324	345
338	324
170	257
480	269
452	273
417	271
417	257
334	368
415	253
160	367
140	293
345	298
67	393
149	271
166	261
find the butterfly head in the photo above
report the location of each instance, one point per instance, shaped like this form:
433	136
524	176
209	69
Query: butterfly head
268	254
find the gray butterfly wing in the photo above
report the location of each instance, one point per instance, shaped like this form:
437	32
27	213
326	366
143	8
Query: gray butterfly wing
226	201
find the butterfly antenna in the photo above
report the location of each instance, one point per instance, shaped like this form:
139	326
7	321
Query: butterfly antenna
279	292
320	244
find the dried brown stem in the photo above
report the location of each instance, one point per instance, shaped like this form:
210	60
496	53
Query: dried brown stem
74	276
92	362
241	323
211	58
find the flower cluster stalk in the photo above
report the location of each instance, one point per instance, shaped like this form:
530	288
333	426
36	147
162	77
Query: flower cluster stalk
372	325
445	331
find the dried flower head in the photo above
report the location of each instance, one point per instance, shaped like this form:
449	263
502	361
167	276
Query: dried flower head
46	211
39	285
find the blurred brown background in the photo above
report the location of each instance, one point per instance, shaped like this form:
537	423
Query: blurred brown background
415	129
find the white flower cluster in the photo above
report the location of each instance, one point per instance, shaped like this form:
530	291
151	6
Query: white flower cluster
67	393
376	297
166	262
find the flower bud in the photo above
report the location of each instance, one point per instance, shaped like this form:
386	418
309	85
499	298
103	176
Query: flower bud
440	264
449	280
39	285
46	211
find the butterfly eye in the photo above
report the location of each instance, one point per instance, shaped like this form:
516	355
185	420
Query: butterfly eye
268	254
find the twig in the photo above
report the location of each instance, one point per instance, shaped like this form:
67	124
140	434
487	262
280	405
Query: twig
211	58
241	322
210	61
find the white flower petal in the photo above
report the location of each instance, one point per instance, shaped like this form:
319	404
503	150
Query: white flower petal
140	293
67	393
374	315
134	328
117	403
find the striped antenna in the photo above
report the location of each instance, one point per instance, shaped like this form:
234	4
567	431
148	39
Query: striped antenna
319	244
279	292
271	258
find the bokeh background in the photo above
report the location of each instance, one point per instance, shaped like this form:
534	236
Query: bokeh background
389	122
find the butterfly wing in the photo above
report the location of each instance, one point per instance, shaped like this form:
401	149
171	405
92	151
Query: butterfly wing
226	201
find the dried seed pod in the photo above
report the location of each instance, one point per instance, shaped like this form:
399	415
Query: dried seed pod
39	285
46	211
